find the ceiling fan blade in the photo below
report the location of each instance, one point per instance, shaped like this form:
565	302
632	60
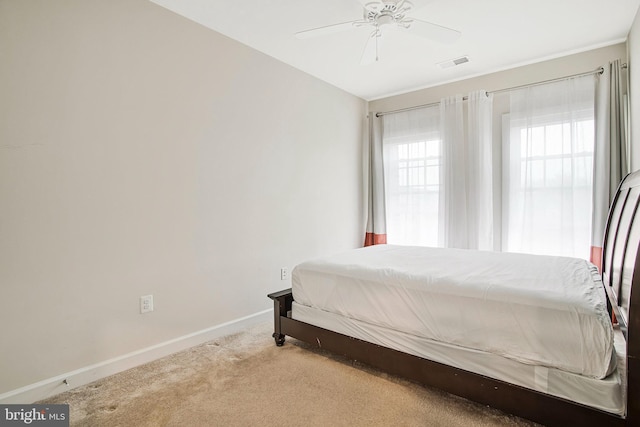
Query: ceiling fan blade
370	52
328	29
433	31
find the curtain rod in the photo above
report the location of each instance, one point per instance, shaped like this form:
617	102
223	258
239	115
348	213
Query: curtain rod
433	104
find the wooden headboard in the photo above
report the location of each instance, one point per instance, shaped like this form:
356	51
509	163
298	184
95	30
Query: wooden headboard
621	273
620	248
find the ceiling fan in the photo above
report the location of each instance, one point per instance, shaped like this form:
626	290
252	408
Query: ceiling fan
381	15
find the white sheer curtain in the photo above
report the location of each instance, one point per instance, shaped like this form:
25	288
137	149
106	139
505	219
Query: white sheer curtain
411	142
548	181
480	170
453	197
466	200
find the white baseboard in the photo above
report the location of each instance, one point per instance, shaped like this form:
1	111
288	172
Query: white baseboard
51	386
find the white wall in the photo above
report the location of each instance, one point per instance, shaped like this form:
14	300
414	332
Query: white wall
141	153
633	49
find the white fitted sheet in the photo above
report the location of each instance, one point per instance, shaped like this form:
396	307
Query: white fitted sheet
537	310
607	394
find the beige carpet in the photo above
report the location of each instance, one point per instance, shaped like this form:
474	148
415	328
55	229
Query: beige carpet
245	380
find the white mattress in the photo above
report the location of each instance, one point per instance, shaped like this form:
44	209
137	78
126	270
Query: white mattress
606	394
537	310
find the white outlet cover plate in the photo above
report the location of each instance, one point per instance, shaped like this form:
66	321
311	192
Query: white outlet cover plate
146	304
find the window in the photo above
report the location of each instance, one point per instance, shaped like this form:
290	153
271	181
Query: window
545	180
419	166
412	177
549	170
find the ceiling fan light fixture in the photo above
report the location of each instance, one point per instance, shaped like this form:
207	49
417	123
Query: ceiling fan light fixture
384	19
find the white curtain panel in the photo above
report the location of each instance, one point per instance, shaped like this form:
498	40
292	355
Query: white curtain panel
611	147
548	181
480	171
376	228
453	218
412	176
466	200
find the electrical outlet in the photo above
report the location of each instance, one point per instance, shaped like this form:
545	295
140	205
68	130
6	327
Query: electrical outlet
146	304
284	273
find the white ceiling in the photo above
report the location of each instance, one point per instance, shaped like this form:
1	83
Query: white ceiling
496	35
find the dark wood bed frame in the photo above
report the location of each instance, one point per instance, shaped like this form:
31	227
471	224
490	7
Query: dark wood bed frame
621	261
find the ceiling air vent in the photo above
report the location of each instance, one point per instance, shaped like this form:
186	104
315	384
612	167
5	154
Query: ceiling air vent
453	62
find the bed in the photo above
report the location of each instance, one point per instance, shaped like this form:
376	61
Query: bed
530	335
